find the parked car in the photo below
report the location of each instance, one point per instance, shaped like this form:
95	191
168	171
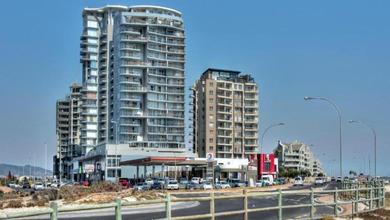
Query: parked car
39	186
195	180
333	179
259	183
222	185
26	185
236	183
157	185
183	183
298	181
207	186
280	181
172	184
124	182
339	179
142	186
192	186
149	181
268	180
11	184
319	181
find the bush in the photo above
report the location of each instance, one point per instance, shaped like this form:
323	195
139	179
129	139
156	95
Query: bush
327	218
30	204
42	201
14	204
104	187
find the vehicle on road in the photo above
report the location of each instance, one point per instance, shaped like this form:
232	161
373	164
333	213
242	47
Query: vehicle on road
222	185
319	181
207	186
339	179
39	186
172	184
333	179
142	187
268	180
11	184
298	181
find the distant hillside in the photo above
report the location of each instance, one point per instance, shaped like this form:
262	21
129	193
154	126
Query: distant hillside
25	170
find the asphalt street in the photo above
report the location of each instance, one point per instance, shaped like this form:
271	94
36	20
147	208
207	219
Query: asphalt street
223	205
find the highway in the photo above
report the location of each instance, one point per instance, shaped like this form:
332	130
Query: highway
221	205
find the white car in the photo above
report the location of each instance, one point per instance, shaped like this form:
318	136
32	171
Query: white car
207	185
39	186
319	181
259	183
195	180
172	184
222	185
149	181
298	181
267	180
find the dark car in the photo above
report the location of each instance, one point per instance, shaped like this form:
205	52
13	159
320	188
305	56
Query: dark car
124	182
26	185
192	185
280	181
156	185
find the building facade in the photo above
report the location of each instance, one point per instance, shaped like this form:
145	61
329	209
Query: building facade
68	131
132	90
298	156
148	78
225	114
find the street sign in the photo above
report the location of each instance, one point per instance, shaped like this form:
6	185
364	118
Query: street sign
209	157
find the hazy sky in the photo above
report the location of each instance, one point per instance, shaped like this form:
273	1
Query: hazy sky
337	49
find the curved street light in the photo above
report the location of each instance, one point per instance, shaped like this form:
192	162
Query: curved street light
265	131
307	98
374	133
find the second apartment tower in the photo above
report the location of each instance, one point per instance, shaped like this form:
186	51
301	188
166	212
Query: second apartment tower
225	114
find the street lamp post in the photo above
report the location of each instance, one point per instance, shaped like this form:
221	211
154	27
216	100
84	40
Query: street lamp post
374	133
265	131
340	133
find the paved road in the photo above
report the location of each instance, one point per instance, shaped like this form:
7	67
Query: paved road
223	205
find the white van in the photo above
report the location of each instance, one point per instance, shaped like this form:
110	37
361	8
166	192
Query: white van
268	180
298	181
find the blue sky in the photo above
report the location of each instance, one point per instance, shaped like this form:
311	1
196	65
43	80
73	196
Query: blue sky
337	49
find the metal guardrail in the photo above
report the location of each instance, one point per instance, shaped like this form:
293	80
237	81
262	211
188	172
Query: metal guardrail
372	195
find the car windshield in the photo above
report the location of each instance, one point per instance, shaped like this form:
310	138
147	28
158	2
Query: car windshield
172	182
297	179
318	179
222	182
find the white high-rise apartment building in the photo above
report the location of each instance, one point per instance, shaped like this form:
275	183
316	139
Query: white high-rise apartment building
133	77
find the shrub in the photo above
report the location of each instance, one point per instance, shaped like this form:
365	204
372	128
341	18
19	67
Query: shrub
14	204
30	204
327	218
42	201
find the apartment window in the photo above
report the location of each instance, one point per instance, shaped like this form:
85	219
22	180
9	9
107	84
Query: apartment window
211	84
211	108
211	124
211	92
211	100
211	140
211	148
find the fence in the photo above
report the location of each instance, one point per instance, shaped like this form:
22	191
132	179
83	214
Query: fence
371	196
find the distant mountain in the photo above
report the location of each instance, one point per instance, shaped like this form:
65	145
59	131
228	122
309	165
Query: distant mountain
25	170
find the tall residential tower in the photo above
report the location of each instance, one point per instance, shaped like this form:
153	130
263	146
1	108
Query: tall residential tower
225	114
